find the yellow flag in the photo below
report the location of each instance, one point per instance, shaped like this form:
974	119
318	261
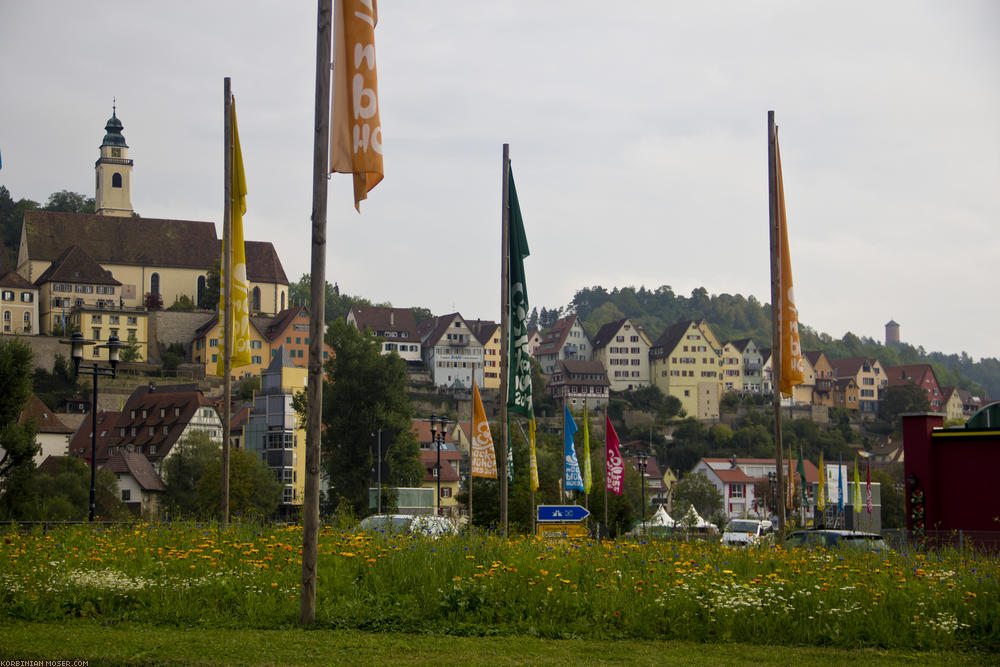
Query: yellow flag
533	464
484	459
239	286
857	489
792	366
821	491
355	128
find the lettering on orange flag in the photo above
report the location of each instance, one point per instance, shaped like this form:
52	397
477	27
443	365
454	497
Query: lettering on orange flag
484	460
355	129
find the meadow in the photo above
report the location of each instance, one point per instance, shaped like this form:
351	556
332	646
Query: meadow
188	575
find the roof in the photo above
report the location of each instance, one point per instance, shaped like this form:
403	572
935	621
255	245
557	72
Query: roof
213	322
74	265
850	366
80	443
114	128
580	372
46	420
429	458
433	329
383	318
814	356
13	279
138	466
422	429
281	359
671	338
812	472
280	322
915	373
483	329
607	333
152	242
742	344
556	336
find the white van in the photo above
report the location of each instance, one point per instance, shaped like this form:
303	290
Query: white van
746	532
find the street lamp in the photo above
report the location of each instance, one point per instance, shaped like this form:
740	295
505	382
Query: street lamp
77	343
641	460
437	439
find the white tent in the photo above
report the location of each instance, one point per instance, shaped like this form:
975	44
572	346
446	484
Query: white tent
661	518
694	520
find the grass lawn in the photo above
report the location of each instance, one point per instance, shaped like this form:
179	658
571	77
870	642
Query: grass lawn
127	644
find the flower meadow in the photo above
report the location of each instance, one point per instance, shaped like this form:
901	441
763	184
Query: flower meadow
246	576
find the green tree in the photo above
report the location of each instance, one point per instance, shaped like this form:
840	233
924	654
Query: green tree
130	351
53	387
368	393
62	493
181	471
182	303
248	387
69	202
902	398
893	502
209	297
253	489
172	356
695	489
17	441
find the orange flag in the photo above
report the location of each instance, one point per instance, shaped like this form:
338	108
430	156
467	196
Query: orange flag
484	459
355	128
792	366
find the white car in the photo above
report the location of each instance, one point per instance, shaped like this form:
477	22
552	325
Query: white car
417	524
746	532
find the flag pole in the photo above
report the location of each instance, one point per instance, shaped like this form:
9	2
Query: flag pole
472	434
227	312
504	332
317	315
776	370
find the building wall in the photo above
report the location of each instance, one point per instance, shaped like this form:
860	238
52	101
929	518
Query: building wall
98	325
694	362
626	359
19	311
205	352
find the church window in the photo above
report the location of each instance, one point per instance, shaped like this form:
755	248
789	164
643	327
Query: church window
154	283
256	299
201	291
116	180
282	300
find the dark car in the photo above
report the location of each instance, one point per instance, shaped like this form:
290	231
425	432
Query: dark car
837	539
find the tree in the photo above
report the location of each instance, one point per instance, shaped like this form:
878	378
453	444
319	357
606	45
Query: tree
698	491
248	387
893	503
130	350
209	297
253	489
172	356
65	201
898	399
181	471
61	492
368	393
53	387
17	441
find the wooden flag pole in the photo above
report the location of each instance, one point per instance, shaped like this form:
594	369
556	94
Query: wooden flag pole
317	315
472	435
504	334
227	310
776	300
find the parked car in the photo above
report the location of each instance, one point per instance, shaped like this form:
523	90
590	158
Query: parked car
746	532
416	524
835	539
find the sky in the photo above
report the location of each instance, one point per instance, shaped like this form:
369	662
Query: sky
637	133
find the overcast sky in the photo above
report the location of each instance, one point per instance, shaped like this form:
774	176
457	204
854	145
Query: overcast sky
638	135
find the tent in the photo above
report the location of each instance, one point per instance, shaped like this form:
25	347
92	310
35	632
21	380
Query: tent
695	521
661	518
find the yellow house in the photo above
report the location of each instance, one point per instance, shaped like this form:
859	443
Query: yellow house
19	305
131	327
684	362
274	430
731	368
488	334
205	350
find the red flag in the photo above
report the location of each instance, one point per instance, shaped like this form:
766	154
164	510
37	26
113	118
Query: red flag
615	472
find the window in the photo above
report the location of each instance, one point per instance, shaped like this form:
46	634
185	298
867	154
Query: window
446	492
8	295
154	283
113	319
126	495
132	320
116	182
27	297
256	299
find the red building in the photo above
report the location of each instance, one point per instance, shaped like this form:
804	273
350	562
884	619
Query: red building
950	473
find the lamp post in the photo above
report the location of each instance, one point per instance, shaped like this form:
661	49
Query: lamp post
77	342
641	460
437	439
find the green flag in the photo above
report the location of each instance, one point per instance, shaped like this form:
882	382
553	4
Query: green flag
519	361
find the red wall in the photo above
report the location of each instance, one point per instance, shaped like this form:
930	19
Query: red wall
958	472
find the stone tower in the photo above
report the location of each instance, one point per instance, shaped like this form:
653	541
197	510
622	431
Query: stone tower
113	195
891	332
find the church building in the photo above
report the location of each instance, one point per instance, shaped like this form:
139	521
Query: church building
154	261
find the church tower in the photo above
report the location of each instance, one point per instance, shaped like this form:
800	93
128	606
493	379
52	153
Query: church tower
114	172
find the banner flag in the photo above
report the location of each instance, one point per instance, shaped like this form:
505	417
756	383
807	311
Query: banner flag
510	457
840	485
519	361
588	477
857	489
821	491
573	478
615	466
239	294
868	485
355	128
532	456
484	460
792	366
801	469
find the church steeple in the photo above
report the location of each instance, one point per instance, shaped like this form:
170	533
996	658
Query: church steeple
113	195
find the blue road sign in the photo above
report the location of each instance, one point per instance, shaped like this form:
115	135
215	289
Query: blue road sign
562	513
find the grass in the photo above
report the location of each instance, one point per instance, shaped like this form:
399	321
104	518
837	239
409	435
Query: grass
477	590
151	646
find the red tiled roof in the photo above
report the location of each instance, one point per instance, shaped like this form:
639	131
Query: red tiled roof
138	466
46	420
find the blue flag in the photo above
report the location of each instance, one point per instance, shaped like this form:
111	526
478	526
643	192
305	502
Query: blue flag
573	478
840	485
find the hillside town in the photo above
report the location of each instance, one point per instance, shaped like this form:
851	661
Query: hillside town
111	273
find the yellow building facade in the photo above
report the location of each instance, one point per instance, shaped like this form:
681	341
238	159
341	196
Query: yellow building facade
684	362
